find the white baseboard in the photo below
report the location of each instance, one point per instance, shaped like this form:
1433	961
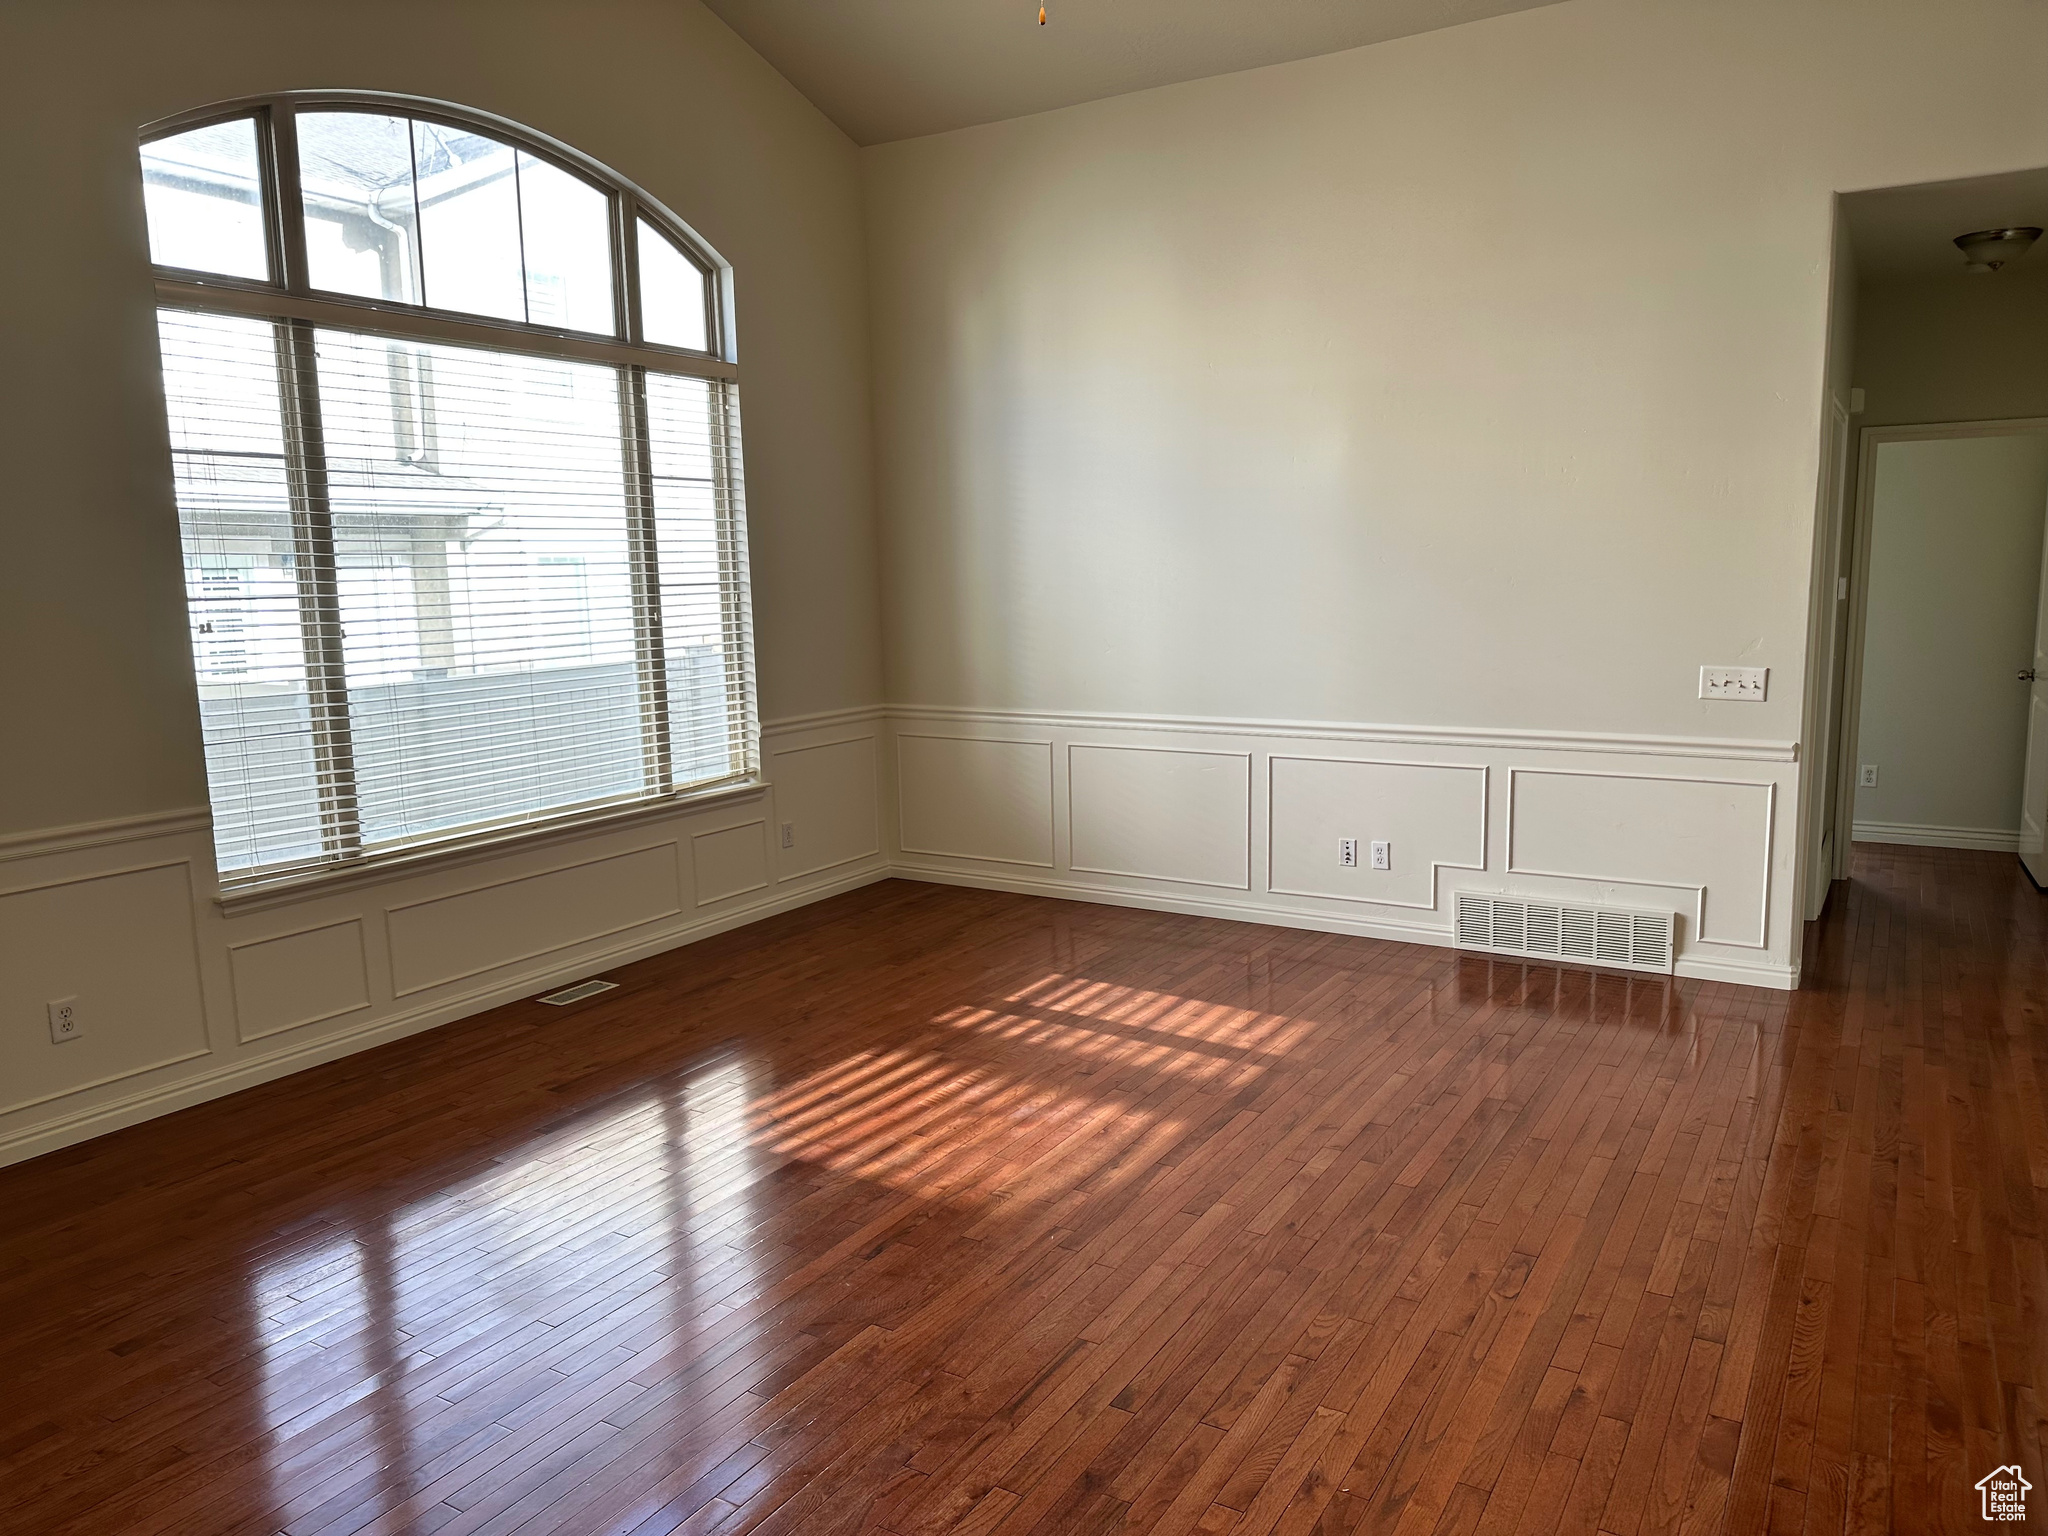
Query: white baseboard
1191	906
1777	978
1913	835
49	1136
1780	978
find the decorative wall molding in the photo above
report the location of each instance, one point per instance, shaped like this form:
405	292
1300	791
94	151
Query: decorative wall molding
905	816
101	834
246	979
1237	837
403	985
858	714
759	827
1769	788
836	774
1727	865
158	1005
487	848
1436	866
849	804
18	1143
1719	748
259	1007
1913	835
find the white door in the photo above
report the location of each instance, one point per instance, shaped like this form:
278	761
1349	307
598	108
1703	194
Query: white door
2034	794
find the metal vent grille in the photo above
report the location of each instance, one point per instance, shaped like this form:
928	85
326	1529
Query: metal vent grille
577	993
1617	936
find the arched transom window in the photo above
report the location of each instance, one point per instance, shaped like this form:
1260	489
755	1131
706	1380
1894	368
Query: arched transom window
455	430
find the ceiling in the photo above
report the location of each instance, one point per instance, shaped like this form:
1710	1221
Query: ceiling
896	69
1909	231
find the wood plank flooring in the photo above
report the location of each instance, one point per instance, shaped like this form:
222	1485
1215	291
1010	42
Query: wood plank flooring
928	1210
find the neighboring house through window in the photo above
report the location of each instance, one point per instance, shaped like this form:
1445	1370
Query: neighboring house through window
455	432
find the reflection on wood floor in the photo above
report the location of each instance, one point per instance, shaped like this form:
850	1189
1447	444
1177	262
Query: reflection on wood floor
930	1210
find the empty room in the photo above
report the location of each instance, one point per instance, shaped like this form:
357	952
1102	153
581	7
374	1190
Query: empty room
949	766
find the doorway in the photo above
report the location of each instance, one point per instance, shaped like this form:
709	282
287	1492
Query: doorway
1925	566
1947	597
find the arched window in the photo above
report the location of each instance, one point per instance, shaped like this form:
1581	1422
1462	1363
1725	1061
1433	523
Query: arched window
455	428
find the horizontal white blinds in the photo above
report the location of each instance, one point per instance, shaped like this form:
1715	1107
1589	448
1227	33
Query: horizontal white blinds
437	589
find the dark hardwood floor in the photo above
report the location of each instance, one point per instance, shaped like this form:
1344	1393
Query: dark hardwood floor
931	1210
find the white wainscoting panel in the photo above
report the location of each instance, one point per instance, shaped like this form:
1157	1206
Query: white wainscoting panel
1712	836
975	797
308	976
730	861
1433	815
1153	811
831	790
184	1002
465	933
1160	813
121	941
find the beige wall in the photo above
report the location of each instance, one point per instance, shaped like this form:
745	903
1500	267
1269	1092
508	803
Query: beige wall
1471	379
97	716
1955	560
1957	347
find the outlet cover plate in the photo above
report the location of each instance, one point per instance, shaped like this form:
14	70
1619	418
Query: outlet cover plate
66	1022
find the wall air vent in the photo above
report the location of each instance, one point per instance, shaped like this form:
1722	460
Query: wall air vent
1553	930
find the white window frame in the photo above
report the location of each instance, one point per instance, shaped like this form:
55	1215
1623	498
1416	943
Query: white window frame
287	296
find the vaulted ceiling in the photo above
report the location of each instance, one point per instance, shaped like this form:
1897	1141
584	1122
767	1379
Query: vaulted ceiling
896	69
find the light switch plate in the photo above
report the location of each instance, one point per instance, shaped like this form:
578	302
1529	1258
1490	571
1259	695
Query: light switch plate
1745	683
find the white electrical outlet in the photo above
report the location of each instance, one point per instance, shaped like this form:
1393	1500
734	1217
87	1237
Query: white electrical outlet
1866	776
1745	683
1347	852
1382	855
66	1023
789	834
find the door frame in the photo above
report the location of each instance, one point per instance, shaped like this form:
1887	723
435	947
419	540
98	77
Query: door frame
1820	730
1849	742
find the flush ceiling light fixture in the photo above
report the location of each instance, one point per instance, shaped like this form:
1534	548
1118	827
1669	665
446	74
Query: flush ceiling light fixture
1989	249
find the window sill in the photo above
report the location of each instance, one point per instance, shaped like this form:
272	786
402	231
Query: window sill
494	844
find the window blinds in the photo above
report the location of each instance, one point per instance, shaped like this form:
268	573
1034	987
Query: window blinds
437	590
